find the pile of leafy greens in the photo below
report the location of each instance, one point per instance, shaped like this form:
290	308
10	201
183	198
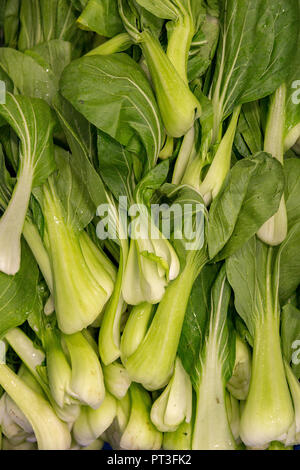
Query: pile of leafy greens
149	224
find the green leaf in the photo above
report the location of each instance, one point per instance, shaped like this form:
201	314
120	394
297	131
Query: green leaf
289	264
250	196
101	16
48	16
199	10
188	217
10	143
11	22
28	76
220	324
79	4
18	293
242	330
249	132
151	182
250	270
196	318
44	20
37	319
165	9
218	331
213	7
242	270
2	12
292	189
33	122
292	114
31	31
80	137
137	19
206	119
72	190
6	182
174	9
115	167
289	249
80	134
203	48
181	194
148	21
65	25
259	38
78	187
55	55
285	21
113	93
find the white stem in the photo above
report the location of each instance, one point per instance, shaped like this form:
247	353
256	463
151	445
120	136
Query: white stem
268	412
212	430
39	251
274	231
292	138
12	221
184	156
50	432
274	142
220	166
25	349
49	306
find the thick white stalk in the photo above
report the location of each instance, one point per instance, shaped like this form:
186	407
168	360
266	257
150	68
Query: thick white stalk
39	251
212	430
179	44
184	155
25	349
12	222
274	231
50	432
268	413
292	138
220	166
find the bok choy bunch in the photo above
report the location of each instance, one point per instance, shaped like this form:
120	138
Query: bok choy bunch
149	225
